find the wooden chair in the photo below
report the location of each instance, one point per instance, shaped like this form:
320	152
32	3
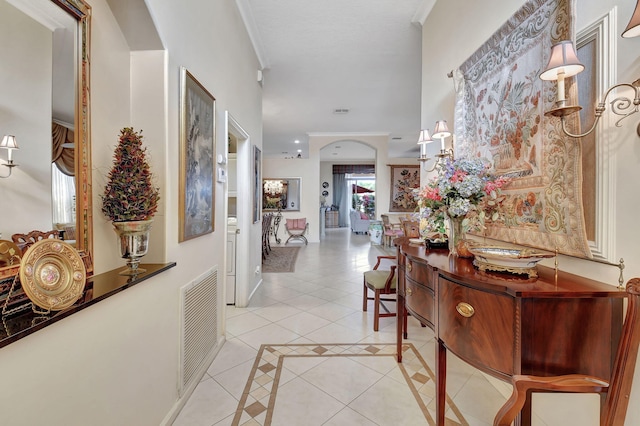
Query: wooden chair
296	228
390	230
381	282
411	228
24	241
617	387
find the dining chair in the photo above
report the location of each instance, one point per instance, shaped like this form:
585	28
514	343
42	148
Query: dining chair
381	282
390	230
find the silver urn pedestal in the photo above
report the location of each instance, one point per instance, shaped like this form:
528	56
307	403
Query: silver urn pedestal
134	243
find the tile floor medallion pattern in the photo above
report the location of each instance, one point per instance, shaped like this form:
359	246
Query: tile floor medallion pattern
276	361
259	402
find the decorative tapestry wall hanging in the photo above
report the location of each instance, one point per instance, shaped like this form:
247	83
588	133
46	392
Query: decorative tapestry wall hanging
500	104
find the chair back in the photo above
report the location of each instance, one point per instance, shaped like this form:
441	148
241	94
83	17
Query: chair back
24	241
411	228
296	224
617	401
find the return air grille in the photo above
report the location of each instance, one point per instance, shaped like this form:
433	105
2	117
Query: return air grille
199	316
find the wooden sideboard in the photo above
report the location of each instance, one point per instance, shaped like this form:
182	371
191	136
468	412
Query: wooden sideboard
504	324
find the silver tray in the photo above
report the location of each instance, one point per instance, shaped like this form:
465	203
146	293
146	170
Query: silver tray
506	259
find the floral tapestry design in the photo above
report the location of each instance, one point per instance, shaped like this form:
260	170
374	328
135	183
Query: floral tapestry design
404	179
500	104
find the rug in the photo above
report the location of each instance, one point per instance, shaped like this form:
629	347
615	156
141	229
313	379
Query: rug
259	397
280	259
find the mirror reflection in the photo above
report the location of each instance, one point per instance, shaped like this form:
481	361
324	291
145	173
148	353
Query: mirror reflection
281	194
45	104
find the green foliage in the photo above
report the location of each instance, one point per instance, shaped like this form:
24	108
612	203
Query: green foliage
129	194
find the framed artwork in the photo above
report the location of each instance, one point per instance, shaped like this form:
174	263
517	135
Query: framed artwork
404	179
197	147
257	183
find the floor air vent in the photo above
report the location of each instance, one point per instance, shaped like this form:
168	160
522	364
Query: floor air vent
199	316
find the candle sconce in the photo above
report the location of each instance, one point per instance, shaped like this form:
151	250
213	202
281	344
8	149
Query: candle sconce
9	143
441	132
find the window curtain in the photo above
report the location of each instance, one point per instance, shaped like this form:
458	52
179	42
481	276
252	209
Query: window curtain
340	197
63	197
61	156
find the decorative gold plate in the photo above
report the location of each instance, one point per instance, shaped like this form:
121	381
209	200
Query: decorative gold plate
505	259
52	274
10	253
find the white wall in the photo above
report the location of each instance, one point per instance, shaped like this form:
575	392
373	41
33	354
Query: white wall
452	47
117	361
25	112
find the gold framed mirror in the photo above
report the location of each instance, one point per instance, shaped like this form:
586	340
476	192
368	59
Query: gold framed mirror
80	11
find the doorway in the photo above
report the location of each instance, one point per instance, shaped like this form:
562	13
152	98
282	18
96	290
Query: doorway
237	214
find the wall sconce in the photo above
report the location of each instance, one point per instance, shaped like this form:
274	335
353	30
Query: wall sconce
564	63
442	132
423	140
633	27
9	143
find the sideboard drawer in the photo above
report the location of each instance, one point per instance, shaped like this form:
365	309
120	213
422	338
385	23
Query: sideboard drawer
420	300
419	272
477	326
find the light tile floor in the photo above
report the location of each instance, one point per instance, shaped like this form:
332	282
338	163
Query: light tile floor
321	302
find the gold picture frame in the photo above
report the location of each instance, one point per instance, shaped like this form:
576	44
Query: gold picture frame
197	153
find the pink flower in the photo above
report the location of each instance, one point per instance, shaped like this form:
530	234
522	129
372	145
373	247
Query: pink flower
430	194
458	176
491	186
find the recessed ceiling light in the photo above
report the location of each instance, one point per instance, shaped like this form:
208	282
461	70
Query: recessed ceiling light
296	141
299	150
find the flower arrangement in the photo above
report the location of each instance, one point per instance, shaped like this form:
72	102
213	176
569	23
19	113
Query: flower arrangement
129	194
463	189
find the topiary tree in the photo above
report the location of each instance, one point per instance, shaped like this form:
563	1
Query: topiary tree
130	194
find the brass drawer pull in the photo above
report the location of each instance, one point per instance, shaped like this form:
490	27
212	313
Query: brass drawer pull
409	267
409	292
465	309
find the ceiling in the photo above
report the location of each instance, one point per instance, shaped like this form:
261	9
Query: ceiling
362	56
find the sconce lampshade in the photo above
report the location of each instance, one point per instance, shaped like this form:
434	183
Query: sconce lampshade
441	130
563	60
9	142
423	140
633	28
424	137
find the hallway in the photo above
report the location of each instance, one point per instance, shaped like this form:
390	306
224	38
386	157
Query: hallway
319	307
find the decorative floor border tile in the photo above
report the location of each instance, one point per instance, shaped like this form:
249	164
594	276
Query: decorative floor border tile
259	397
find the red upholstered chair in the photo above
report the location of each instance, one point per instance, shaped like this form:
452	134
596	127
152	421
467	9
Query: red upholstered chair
381	282
296	228
617	387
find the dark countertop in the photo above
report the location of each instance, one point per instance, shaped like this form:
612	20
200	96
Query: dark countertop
99	287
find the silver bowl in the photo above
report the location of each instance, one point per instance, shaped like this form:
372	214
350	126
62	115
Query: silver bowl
507	259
